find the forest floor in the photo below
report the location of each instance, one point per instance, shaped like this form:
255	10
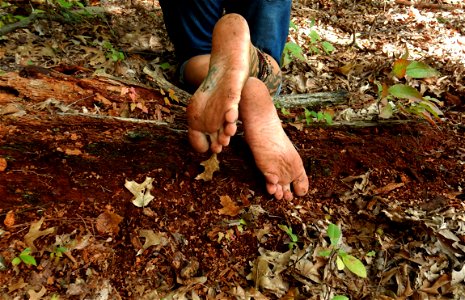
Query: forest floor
393	183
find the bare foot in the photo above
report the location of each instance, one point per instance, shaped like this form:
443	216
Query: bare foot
274	153
213	109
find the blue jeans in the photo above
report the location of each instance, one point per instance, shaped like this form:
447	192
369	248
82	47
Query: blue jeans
190	24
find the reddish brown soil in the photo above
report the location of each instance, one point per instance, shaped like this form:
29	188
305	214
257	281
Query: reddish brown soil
395	189
71	191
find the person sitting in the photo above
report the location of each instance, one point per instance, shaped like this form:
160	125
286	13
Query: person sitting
228	53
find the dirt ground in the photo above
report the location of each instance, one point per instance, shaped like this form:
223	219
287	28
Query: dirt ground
394	187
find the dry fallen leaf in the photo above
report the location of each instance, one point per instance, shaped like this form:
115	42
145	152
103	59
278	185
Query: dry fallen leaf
33	295
152	239
107	223
388	188
73	152
229	207
9	219
34	233
3	164
141	191
211	165
17	285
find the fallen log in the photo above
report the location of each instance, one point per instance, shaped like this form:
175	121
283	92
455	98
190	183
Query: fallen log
38	84
35	89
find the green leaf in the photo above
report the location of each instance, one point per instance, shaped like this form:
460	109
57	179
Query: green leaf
325	253
403	91
28	259
61	249
314	36
386	112
286	59
432	108
328	118
284	111
294	50
327	47
292	25
339	263
354	265
165	66
65	4
312	22
334	234
55	297
16	261
294	238
371	253
417	69
340	298
26	251
315	49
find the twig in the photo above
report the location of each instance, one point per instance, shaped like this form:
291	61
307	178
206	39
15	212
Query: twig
131	120
311	100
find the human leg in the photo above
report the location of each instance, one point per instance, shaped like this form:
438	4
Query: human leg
190	25
273	152
213	109
268	21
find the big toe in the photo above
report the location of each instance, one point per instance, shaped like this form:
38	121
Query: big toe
198	140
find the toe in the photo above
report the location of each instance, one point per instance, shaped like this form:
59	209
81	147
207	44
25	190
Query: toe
223	138
198	140
271	188
230	129
287	194
300	185
279	192
215	143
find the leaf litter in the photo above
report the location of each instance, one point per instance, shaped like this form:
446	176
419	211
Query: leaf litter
419	268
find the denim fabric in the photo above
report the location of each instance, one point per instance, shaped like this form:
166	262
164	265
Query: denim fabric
190	23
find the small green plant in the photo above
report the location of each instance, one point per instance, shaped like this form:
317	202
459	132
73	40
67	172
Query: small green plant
291	51
8	17
321	116
239	223
340	298
343	259
24	257
423	106
316	42
111	52
57	253
292	236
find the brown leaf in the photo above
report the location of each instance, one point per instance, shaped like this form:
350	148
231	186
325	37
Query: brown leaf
9	219
33	295
3	164
388	188
158	239
211	165
73	151
229	207
345	69
107	223
35	232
